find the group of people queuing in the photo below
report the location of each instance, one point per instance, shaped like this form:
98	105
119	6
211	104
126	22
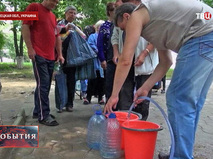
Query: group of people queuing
47	41
133	54
104	38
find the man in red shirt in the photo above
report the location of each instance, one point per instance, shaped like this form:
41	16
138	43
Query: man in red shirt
42	40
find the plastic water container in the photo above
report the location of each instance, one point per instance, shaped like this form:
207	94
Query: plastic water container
111	138
94	130
78	85
57	66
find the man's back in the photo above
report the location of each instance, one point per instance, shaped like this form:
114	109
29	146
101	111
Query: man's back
43	31
171	26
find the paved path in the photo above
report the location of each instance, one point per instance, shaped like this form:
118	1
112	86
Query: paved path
68	140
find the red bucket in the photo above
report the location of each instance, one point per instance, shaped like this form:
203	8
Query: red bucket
140	139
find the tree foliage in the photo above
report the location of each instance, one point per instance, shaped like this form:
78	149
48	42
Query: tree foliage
2	41
209	2
89	11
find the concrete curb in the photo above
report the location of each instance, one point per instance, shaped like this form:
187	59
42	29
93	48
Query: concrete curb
5	153
21	118
24	113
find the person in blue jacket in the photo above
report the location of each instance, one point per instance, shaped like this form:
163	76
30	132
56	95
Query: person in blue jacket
96	86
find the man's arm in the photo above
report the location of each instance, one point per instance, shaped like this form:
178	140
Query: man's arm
59	49
115	53
115	44
140	59
27	38
64	29
133	31
165	61
115	36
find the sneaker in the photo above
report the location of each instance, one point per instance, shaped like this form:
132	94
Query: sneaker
60	111
49	121
101	102
162	155
86	102
83	95
162	91
69	109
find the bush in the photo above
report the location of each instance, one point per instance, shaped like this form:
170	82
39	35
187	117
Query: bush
10	70
5	67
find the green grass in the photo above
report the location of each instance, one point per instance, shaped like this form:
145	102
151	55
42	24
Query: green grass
10	70
169	74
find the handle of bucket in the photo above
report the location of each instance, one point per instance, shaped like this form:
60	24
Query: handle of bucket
167	121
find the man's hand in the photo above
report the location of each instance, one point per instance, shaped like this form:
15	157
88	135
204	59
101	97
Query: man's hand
115	54
115	59
140	59
138	93
70	26
104	65
111	103
31	54
60	59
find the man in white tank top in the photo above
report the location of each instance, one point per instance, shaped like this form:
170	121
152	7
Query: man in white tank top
178	27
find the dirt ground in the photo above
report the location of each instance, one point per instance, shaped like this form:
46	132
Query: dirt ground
16	88
14	91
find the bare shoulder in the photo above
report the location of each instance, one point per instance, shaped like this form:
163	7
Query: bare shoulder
141	15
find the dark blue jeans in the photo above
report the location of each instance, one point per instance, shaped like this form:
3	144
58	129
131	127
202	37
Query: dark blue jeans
43	70
70	72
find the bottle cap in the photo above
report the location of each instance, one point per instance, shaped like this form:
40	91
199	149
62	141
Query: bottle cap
98	112
112	115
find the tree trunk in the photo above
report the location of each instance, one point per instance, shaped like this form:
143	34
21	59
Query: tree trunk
20	57
20	61
21	53
18	49
15	39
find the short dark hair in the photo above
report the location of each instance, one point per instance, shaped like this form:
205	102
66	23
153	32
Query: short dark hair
110	7
70	8
124	8
88	30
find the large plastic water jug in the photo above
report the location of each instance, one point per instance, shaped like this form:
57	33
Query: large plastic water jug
111	138
94	130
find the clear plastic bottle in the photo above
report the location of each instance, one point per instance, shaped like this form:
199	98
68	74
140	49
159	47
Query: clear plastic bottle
111	138
94	130
57	66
